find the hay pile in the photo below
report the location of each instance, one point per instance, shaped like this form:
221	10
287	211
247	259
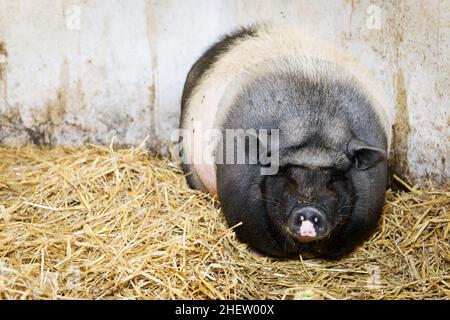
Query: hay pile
97	223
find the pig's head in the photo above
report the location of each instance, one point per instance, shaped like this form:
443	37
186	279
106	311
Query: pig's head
328	194
312	195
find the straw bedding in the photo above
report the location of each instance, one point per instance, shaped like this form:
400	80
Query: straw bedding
97	223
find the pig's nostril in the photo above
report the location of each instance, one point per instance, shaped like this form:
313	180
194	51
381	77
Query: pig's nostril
308	222
308	213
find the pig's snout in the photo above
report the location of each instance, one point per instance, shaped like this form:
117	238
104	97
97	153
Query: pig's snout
308	223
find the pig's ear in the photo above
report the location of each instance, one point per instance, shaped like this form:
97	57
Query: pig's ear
364	155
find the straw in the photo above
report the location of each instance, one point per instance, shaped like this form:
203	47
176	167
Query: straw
95	222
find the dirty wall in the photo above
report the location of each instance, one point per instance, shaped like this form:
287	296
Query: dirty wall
85	71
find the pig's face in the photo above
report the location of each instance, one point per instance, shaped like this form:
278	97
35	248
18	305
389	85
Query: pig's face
309	200
311	196
307	204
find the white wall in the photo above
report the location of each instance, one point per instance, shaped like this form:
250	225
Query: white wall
73	71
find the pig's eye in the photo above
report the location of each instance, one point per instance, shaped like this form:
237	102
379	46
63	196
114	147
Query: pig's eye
282	170
339	176
336	177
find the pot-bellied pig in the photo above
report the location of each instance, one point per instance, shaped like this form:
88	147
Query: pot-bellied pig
292	135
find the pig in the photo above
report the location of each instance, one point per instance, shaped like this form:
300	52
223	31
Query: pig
332	119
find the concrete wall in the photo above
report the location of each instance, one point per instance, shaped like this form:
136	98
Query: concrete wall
73	71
